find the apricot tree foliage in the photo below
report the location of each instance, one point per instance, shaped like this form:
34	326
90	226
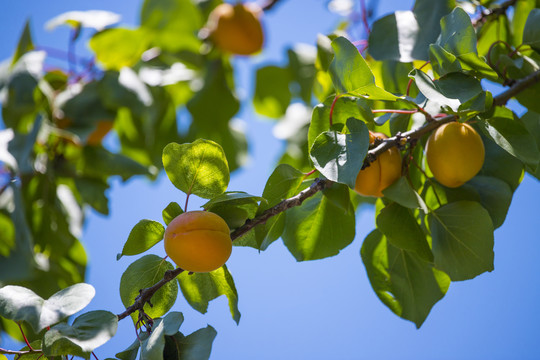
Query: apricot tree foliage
415	71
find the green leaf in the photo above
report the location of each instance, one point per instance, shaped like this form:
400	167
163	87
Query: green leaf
402	193
201	288
25	43
494	194
405	283
96	161
531	32
92	192
455	90
7	235
522	9
400	227
232	198
235	207
284	182
144	235
195	346
174	24
21	304
171	211
272	95
153	347
462	239
344	108
198	168
512	136
119	47
457	33
531	120
320	228
351	74
131	352
498	163
302	59
339	157
143	273
406	35
94	19
88	331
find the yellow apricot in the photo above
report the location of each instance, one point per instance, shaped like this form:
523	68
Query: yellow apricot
381	173
455	153
236	28
103	127
198	241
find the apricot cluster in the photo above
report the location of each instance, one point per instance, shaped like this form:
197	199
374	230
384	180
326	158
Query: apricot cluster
198	241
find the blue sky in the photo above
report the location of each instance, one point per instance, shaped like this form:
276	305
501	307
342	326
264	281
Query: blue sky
322	309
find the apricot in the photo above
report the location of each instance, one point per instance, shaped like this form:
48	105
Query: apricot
236	28
381	173
455	153
103	127
198	241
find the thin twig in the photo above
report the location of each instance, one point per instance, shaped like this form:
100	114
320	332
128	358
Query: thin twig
269	5
500	10
22	352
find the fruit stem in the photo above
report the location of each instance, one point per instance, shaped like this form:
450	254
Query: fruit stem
411	80
187	200
24	337
332	109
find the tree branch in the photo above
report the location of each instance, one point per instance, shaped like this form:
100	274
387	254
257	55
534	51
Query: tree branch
22	352
498	100
500	10
269	5
319	184
296	200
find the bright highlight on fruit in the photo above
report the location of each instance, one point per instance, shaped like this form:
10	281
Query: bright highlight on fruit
455	153
198	241
237	28
381	173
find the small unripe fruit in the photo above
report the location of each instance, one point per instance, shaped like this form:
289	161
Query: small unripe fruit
236	28
381	173
455	153
198	241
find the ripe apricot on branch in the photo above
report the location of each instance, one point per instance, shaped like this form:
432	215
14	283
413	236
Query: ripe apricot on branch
381	173
455	153
236	28
198	241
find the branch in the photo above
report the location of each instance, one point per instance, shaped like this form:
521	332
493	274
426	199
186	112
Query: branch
269	5
146	294
286	204
319	184
493	12
498	100
22	352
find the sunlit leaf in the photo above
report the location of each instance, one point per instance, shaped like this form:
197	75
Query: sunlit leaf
201	288
144	235
171	211
88	331
272	95
21	304
319	228
152	348
144	273
198	168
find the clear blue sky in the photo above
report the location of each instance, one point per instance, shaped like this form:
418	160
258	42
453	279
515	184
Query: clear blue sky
314	310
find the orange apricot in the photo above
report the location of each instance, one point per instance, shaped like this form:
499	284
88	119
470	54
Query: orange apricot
455	153
236	28
198	241
381	173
